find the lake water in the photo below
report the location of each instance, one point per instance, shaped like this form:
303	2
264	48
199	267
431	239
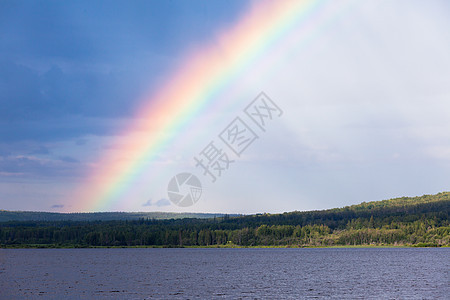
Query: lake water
372	273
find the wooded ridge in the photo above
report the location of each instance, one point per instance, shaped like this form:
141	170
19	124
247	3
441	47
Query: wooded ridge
417	221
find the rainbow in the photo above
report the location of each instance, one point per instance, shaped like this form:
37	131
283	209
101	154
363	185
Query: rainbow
191	89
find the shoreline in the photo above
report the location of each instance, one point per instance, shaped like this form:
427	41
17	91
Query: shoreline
50	246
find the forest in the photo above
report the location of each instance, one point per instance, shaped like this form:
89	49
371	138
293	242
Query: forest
418	221
6	215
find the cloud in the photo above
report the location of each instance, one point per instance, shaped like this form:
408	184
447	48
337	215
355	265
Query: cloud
58	105
365	100
148	203
57	206
69	159
42	150
36	167
10	174
162	202
81	142
71	65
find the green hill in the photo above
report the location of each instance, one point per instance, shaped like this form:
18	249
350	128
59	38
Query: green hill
401	202
405	209
416	221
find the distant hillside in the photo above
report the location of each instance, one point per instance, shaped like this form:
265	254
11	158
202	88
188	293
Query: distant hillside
6	216
400	202
416	221
404	209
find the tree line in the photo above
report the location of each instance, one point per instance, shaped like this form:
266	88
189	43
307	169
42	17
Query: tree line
423	221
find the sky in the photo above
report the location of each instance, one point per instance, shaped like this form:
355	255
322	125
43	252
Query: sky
103	103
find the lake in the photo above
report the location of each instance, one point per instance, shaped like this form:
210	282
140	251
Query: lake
354	273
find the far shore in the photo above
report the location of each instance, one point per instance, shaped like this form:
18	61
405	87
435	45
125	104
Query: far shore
51	246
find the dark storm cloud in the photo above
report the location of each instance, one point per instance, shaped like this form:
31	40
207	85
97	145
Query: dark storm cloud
36	167
37	107
42	150
57	128
65	59
69	159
